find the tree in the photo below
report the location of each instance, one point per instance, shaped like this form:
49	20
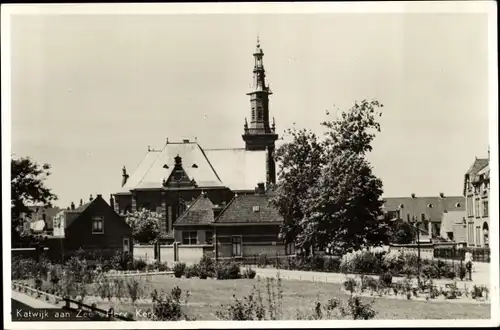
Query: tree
145	226
300	167
402	232
28	188
326	191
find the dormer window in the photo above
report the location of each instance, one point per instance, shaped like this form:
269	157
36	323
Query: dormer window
97	225
195	166
165	166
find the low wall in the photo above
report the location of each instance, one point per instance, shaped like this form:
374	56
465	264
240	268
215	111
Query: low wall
189	254
426	249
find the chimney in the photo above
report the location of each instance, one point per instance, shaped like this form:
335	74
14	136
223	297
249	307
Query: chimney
111	201
81	202
72	206
124	176
260	189
185	141
413	195
441	195
91	198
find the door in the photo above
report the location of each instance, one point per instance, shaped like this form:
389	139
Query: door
236	243
126	244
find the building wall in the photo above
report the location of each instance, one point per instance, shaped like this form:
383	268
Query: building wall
255	240
79	233
477	207
189	254
201	233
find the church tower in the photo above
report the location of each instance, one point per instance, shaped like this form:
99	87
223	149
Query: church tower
259	135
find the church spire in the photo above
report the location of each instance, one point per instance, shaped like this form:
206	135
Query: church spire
259	134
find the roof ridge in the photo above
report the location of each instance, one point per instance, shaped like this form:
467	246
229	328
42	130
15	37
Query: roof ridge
225	208
209	162
211	149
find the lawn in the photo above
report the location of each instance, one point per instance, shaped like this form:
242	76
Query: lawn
206	297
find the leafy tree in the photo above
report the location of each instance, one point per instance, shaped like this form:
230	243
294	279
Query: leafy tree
145	225
402	232
28	188
300	167
326	190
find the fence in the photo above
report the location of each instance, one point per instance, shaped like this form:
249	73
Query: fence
478	255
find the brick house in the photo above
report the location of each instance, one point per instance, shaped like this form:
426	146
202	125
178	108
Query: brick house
477	195
170	179
93	227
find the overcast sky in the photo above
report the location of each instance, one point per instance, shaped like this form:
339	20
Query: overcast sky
90	93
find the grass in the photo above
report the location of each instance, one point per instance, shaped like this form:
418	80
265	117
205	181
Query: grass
206	297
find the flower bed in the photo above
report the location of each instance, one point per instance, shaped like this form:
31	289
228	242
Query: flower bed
412	289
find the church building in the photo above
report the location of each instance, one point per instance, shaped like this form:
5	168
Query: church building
168	181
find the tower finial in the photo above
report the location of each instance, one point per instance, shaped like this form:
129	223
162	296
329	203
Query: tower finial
258	40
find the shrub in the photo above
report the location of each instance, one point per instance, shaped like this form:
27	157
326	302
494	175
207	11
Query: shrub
332	264
368	282
249	273
206	267
167	307
134	289
358	310
479	292
362	261
179	269
227	271
140	264
350	285
386	279
191	271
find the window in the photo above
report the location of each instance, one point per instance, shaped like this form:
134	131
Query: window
408	217
97	225
470	234
476	208
422	216
290	248
260	114
469	206
236	243
253	113
485	208
189	237
209	237
478	236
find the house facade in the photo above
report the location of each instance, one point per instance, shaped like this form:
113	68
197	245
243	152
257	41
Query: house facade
477	195
94	227
246	226
170	179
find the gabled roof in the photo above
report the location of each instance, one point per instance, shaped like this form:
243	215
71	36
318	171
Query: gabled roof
249	209
239	169
478	165
152	170
418	205
199	213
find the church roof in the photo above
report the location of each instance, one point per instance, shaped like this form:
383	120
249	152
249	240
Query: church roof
237	169
418	205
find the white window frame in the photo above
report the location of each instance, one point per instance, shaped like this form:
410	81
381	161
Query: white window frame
126	239
94	230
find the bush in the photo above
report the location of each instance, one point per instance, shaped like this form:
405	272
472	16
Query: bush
249	273
227	271
206	267
179	269
139	265
192	271
167	307
332	264
350	285
161	266
386	279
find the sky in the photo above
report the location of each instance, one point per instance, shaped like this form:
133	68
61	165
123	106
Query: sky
90	93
